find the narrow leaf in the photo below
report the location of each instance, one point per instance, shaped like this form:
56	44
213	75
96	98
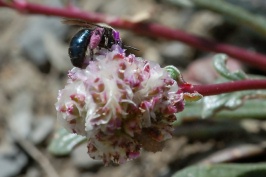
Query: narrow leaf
224	170
220	66
230	101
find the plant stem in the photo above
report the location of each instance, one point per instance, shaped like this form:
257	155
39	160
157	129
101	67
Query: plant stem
215	89
149	29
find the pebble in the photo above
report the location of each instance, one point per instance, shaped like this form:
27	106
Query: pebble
33	171
12	159
32	38
176	53
21	115
202	22
42	127
111	7
57	53
152	54
81	158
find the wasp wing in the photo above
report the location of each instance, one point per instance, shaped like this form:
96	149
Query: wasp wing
77	22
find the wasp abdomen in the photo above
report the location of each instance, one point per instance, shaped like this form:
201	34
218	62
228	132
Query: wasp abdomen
78	47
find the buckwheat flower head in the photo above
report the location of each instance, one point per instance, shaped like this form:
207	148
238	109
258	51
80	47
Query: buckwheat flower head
122	104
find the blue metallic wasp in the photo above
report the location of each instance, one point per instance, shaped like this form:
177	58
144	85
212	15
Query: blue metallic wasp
92	36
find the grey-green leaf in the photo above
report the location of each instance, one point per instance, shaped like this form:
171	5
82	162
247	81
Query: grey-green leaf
220	66
224	170
228	101
250	109
64	142
212	104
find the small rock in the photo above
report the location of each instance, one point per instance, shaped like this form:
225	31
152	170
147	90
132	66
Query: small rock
166	16
203	22
32	38
21	114
57	53
252	126
87	174
176	53
69	171
42	127
92	5
152	54
53	3
33	172
111	7
12	160
81	158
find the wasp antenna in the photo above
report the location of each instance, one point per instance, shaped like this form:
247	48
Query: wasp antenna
64	20
130	47
71	21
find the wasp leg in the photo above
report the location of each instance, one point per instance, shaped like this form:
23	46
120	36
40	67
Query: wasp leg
91	54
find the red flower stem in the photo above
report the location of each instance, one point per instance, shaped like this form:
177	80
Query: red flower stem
214	89
149	29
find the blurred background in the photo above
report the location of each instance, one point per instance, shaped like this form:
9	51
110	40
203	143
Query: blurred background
34	63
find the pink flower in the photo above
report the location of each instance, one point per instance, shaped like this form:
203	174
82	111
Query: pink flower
121	104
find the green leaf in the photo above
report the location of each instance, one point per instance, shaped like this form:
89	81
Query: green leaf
235	13
220	66
229	101
64	142
174	74
224	170
213	104
250	109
